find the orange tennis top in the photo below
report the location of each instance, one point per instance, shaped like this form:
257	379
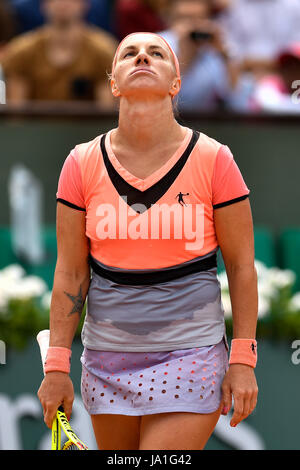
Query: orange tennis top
163	220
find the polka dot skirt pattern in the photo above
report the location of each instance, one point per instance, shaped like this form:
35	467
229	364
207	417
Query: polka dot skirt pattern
135	383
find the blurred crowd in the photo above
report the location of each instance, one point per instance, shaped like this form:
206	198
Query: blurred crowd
238	55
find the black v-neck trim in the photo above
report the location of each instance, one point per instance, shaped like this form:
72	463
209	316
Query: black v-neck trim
144	199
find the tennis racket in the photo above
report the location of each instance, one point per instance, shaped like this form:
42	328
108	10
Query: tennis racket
60	422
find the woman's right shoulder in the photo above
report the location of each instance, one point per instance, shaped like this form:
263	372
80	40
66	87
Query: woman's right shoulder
89	150
86	149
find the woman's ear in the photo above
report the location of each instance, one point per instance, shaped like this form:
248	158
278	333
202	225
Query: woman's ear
175	87
114	89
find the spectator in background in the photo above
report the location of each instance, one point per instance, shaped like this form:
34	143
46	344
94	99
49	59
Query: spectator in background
197	41
30	15
280	92
61	61
139	15
257	30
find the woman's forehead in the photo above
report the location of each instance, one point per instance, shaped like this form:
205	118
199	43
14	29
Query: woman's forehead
137	40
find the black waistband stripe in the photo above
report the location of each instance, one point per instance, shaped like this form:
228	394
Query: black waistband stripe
154	276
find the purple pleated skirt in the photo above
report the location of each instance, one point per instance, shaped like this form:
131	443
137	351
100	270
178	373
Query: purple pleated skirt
138	383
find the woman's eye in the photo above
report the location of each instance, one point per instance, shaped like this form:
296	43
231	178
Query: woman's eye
132	53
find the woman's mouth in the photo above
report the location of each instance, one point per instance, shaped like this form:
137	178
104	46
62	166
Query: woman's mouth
142	70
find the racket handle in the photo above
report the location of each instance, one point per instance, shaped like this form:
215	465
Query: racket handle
43	341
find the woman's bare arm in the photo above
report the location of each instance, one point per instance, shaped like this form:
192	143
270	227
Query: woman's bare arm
234	230
71	278
70	287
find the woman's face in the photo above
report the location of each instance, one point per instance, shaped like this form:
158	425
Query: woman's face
144	67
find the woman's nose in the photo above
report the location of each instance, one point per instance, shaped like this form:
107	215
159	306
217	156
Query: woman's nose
142	58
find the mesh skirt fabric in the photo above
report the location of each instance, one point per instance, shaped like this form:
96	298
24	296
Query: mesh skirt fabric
136	383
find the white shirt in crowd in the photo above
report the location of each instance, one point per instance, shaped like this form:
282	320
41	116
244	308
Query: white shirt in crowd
260	29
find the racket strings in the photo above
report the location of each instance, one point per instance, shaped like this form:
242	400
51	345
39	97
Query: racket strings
70	446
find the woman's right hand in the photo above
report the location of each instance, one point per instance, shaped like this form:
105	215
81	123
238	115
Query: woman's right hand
56	390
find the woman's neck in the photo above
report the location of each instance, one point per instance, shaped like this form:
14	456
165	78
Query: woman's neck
145	125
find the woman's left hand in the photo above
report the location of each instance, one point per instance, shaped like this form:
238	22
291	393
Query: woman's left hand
240	384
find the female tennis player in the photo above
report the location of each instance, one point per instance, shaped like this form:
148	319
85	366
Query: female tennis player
142	211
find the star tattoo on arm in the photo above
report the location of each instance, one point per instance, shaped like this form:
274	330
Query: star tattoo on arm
78	302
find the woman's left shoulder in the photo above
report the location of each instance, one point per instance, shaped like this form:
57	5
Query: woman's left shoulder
208	146
208	140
